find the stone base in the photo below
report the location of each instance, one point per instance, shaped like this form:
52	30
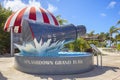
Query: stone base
53	65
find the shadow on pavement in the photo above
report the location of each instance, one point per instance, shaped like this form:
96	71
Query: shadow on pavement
95	72
2	77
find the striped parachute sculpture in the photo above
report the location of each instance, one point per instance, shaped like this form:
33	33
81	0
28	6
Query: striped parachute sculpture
30	13
14	22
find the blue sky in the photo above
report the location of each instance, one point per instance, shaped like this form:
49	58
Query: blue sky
97	15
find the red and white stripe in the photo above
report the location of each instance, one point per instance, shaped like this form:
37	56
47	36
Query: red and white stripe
32	13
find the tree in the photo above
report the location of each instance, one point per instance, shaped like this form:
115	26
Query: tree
107	36
4	36
61	20
112	30
118	22
117	37
91	33
103	36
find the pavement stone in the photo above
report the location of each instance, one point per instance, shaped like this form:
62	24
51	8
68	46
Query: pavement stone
109	71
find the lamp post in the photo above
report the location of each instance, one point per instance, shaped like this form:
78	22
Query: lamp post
12	46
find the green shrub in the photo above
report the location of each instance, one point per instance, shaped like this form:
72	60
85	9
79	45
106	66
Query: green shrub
4	36
118	46
80	45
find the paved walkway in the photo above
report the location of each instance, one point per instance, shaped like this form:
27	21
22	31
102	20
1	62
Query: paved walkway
110	71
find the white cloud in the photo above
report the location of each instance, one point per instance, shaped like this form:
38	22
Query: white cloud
112	4
103	14
14	5
35	3
18	4
51	8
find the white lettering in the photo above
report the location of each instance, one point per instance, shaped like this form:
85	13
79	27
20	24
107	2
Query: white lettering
62	62
77	61
59	62
38	62
80	61
74	62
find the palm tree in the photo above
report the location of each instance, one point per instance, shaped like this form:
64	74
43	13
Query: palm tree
117	37
60	20
102	36
118	22
112	30
91	33
107	36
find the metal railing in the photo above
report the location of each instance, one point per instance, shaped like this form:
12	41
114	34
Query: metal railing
98	54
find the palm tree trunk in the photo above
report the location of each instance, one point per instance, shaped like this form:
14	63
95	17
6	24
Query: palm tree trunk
110	40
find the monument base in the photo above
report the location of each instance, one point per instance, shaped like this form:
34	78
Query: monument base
54	65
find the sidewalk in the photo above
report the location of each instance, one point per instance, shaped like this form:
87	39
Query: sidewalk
110	71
